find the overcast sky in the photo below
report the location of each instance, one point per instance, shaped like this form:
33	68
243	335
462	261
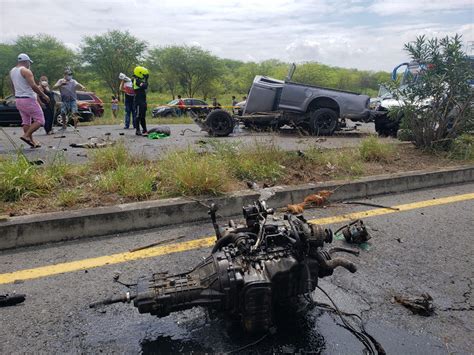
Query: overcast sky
364	34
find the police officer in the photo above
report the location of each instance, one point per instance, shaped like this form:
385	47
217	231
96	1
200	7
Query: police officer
140	85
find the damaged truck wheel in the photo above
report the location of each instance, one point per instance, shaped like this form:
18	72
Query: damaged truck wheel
322	122
220	123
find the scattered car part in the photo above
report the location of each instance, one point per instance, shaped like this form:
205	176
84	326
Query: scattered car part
369	204
93	143
253	268
355	232
422	305
11	300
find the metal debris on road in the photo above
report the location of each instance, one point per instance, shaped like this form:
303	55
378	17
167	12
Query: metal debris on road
11	300
355	232
369	204
157	243
93	143
252	267
422	305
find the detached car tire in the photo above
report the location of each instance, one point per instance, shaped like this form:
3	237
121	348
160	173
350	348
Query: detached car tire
323	122
220	123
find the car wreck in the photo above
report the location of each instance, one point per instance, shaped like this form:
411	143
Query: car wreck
253	269
274	103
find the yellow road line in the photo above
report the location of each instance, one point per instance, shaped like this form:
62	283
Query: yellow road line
84	264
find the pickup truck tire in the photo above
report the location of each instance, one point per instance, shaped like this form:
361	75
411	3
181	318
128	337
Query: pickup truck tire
220	123
322	122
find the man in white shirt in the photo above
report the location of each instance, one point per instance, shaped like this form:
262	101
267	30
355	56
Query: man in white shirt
25	89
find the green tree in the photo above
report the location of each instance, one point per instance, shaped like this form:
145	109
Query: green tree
7	61
50	56
111	53
436	106
189	67
162	63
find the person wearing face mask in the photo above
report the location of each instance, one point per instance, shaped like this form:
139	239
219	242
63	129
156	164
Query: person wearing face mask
48	107
67	87
26	91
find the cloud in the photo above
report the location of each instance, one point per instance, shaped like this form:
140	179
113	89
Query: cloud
365	34
418	7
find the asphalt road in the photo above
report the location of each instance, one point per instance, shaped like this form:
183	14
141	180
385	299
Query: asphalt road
426	249
181	137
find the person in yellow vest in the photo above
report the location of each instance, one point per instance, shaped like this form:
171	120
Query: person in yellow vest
140	85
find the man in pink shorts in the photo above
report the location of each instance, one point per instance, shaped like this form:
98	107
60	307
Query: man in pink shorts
25	88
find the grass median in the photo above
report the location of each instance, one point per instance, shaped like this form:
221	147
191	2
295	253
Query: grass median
113	175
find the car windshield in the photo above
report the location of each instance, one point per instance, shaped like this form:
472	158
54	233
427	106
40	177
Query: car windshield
384	93
174	102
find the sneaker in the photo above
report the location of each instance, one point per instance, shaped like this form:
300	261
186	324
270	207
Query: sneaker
126	127
145	133
138	133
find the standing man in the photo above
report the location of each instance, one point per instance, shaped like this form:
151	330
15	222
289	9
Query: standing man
140	85
47	107
126	87
25	89
67	87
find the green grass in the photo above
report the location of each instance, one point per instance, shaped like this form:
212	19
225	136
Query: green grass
132	181
114	175
18	178
337	162
109	158
462	148
69	197
371	149
188	172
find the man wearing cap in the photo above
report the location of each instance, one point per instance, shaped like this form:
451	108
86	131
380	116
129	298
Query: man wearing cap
25	88
67	87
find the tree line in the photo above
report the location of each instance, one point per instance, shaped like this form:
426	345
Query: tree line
179	69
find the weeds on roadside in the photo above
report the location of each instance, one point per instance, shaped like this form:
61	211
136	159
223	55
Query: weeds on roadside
132	181
18	178
257	162
462	147
190	173
337	162
109	158
69	197
372	149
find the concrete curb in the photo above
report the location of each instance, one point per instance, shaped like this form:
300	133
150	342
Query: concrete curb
59	226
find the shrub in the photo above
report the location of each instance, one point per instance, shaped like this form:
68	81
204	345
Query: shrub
437	105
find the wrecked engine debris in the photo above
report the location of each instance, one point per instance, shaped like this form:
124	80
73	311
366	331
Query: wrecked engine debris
252	269
355	232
